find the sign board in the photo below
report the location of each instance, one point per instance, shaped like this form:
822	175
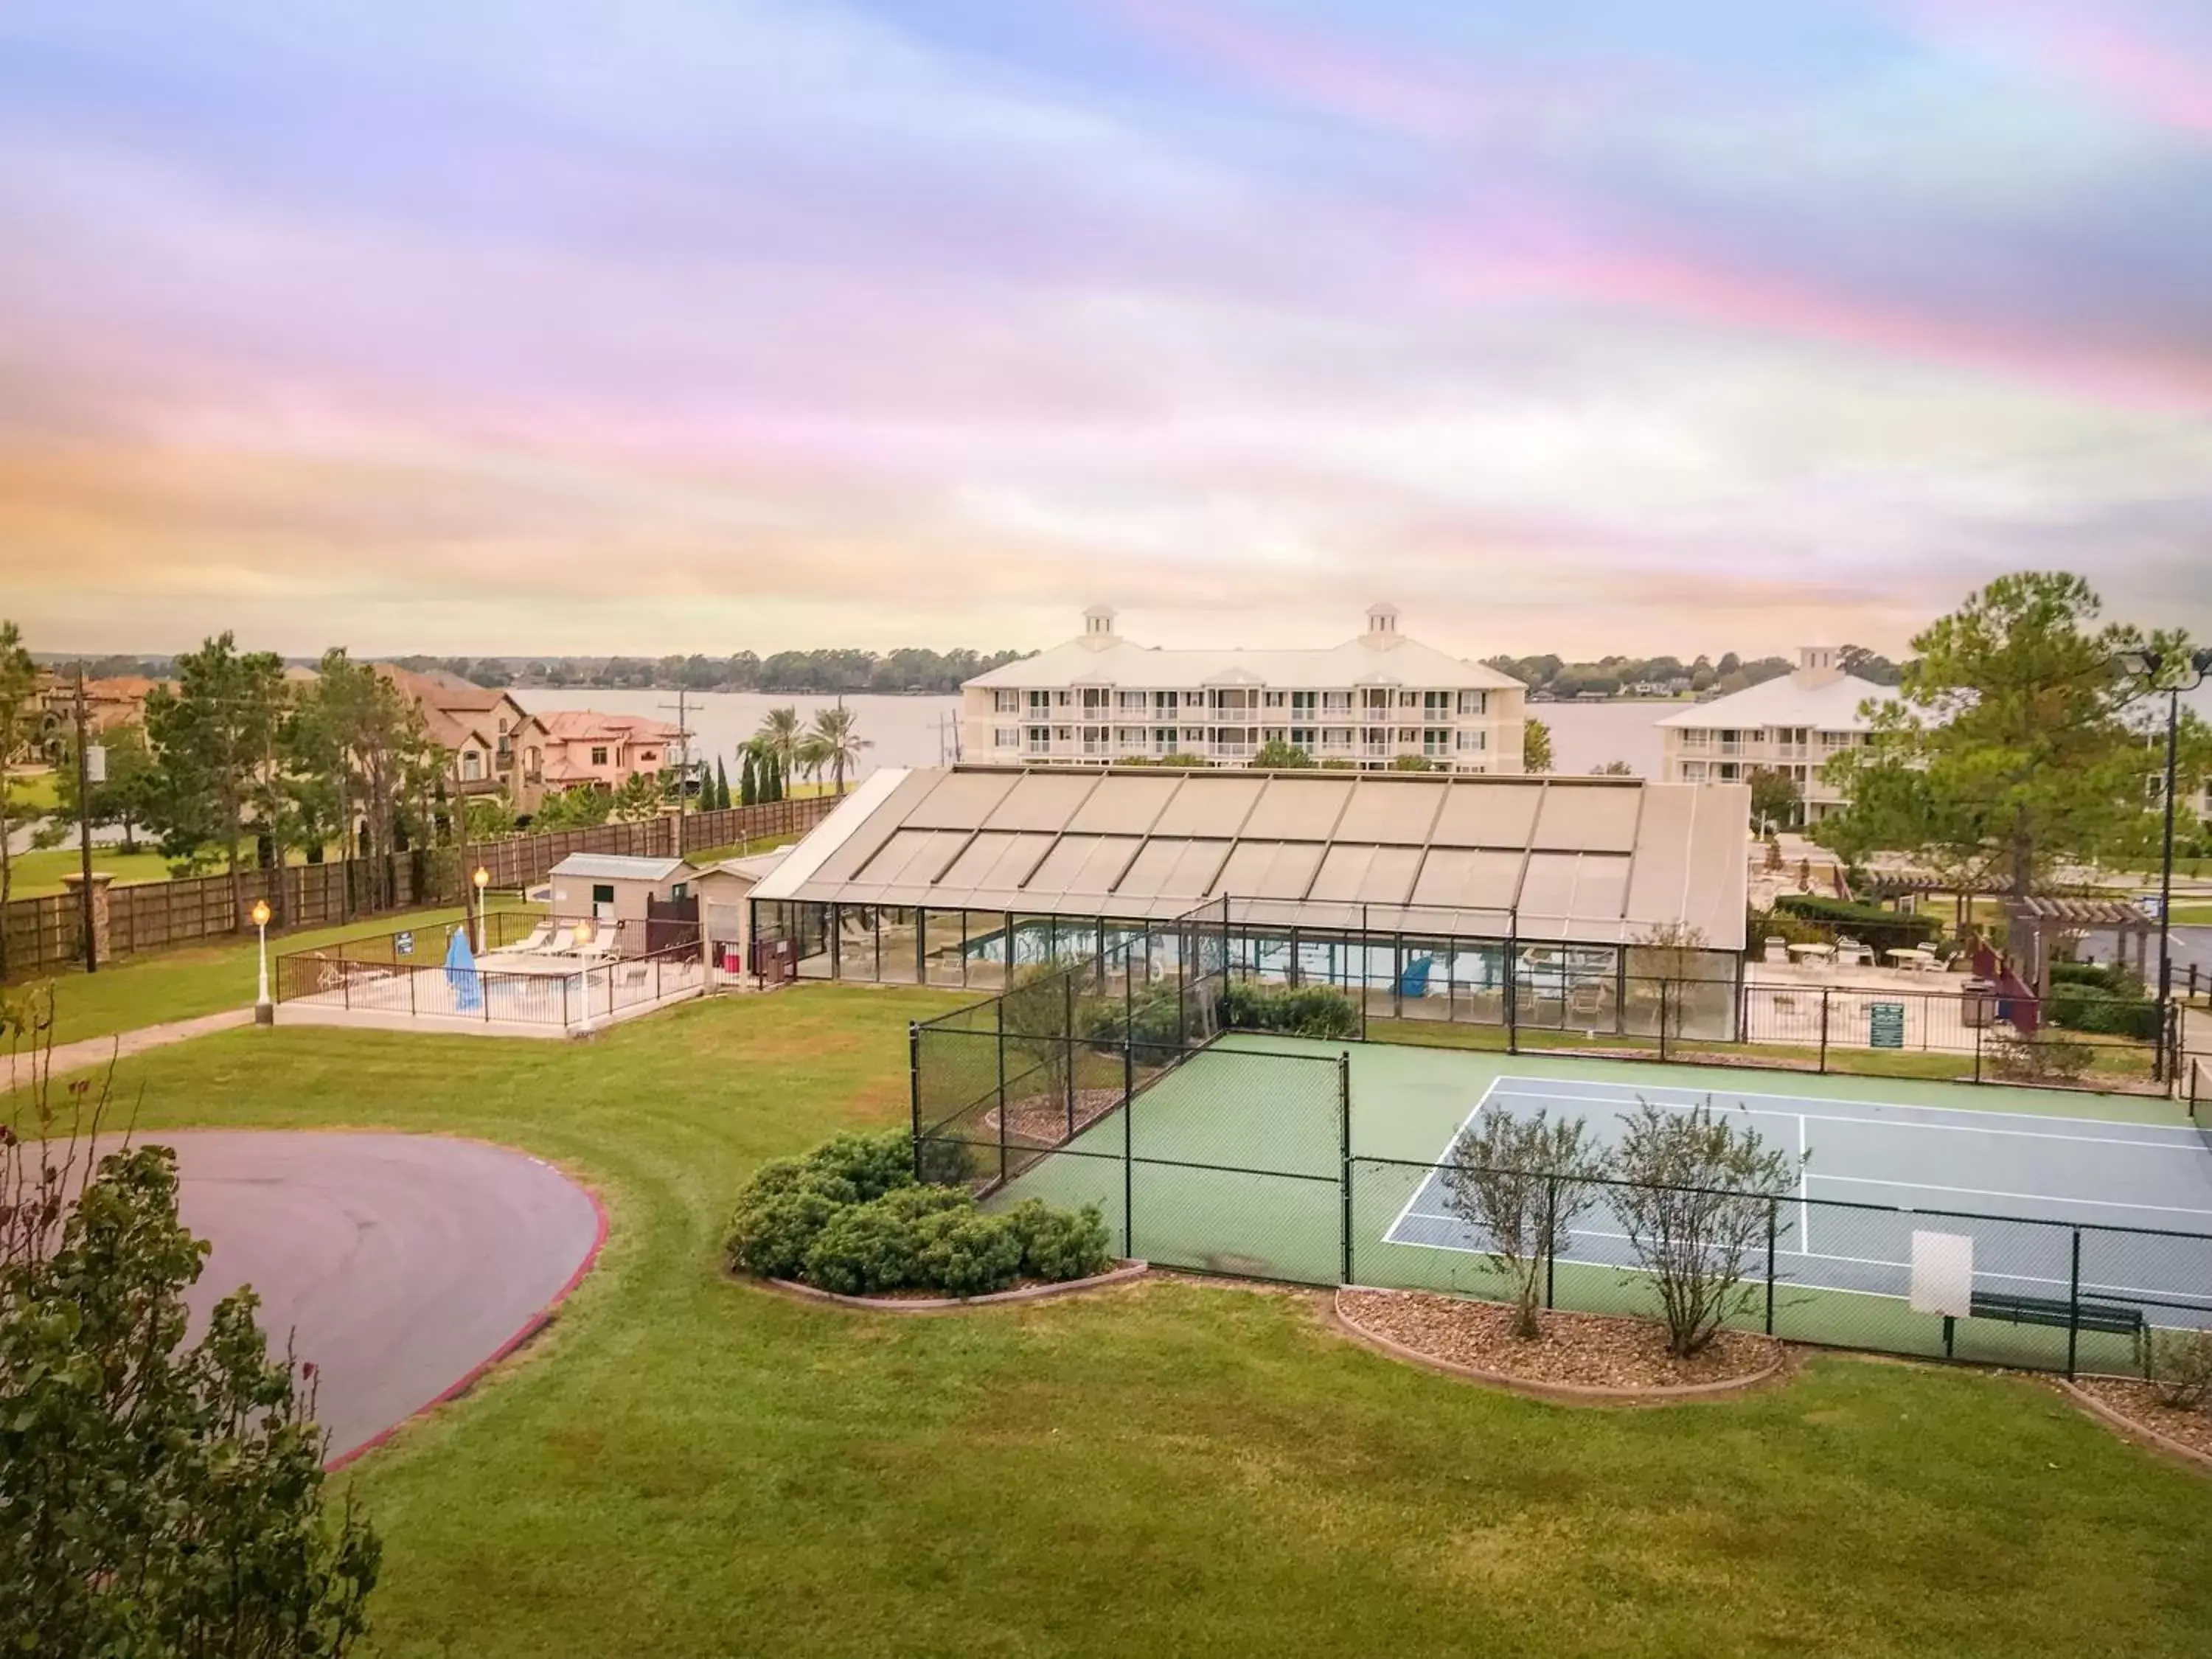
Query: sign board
1885	1025
403	944
1943	1273
2151	905
95	763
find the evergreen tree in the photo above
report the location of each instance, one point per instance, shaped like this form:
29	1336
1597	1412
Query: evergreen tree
747	781
721	785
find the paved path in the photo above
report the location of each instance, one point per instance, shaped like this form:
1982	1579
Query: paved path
97	1051
400	1266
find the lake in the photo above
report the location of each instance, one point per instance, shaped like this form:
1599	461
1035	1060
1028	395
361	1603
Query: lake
918	731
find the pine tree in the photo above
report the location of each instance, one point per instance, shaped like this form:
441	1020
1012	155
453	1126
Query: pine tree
721	785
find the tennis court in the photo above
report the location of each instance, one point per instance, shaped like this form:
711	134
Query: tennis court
1312	1162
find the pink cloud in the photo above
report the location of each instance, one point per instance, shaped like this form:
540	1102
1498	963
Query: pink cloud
2167	83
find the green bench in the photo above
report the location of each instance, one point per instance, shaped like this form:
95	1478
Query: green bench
2108	1318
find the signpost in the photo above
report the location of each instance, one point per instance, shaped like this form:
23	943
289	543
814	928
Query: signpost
1885	1025
403	944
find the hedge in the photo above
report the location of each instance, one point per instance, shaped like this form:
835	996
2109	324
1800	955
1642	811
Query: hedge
2081	1008
1872	925
1307	1010
850	1217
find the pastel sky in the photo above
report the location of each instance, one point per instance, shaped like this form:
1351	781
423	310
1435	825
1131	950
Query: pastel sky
516	325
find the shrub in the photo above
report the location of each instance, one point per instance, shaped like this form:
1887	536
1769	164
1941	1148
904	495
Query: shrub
973	1255
1308	1011
1872	925
1061	1245
2181	1369
877	1246
2081	1008
771	1233
872	1164
2045	1058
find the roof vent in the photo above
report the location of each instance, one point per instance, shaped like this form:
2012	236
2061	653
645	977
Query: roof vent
1382	624
1098	627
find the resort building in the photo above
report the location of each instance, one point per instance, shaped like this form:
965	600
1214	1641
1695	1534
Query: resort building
1794	725
1364	704
1547	901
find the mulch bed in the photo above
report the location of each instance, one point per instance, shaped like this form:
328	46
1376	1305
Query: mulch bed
2139	1403
1042	1119
1576	1350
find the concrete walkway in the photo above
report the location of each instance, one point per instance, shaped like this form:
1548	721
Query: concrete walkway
98	1051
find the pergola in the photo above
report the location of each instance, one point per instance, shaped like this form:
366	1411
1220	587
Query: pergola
2032	924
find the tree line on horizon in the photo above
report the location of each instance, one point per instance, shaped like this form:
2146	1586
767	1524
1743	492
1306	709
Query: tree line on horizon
1609	676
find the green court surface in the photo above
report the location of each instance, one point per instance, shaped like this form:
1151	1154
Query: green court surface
1235	1162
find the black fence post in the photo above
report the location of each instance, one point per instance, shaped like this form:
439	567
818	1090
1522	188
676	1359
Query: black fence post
1774	1216
913	1078
1823	1030
2073	1307
1550	1240
1344	1141
1129	1147
1512	994
1979	1028
1067	1026
1001	1023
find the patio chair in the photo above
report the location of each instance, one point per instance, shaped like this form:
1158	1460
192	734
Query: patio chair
535	940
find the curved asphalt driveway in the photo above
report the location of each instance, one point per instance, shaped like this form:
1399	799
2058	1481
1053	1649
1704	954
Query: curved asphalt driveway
400	1265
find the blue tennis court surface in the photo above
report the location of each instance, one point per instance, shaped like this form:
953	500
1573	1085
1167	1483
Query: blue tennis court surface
2018	1186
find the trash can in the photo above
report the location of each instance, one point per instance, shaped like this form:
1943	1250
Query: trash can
1977	1003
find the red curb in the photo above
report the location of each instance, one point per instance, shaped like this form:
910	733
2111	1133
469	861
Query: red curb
530	1327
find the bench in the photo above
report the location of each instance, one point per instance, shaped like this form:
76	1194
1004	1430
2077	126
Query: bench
2110	1318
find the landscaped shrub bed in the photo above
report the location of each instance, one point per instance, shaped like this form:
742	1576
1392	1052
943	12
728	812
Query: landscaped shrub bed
1872	925
850	1217
1306	1011
2084	1008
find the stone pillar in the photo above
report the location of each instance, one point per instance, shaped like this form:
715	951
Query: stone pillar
74	880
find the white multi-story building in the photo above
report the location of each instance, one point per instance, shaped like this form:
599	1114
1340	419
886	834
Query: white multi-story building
1794	725
1098	699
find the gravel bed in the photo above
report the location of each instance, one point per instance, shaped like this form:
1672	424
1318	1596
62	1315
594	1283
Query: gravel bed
1582	1350
1042	1119
2139	1403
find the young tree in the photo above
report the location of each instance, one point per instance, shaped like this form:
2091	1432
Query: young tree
1701	1196
155	1497
1277	755
2013	746
638	799
580	806
837	738
1775	799
123	797
215	736
363	766
748	776
721	785
1519	1184
19	684
1536	746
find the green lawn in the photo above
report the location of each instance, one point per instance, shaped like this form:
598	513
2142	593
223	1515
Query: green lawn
688	1466
32	792
189	980
35	874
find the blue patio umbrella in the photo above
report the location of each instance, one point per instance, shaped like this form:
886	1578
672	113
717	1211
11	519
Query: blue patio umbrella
461	972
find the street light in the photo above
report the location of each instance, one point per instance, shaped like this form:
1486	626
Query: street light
2172	672
483	879
265	1012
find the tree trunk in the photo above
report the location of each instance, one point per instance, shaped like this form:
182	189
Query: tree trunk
233	818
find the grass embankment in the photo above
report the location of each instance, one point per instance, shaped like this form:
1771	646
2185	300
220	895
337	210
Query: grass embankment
688	1466
186	980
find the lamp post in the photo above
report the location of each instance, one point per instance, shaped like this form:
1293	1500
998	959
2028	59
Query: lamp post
265	1012
2172	672
482	879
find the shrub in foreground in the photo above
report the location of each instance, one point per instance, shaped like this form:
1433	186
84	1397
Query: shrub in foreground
2181	1369
865	1249
974	1256
1059	1244
1307	1010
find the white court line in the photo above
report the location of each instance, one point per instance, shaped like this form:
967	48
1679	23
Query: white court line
2029	1198
1888	1123
1843	1100
1804	1184
1421	1186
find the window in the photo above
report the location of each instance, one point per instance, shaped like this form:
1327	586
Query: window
1194	699
1302	703
502	726
598	754
682	890
1163	740
1336	737
1409	700
1435	742
1194	735
1474	742
1336	702
1474	702
1040	703
1302	737
1695	739
603	892
649	755
1005	737
533	761
1163	705
1408	734
1040	739
1436	705
1273	698
472	766
1006	702
1137	701
1694	771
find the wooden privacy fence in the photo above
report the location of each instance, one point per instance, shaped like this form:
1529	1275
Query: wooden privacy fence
45	932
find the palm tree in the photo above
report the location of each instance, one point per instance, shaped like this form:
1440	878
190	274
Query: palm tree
837	733
813	758
780	736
